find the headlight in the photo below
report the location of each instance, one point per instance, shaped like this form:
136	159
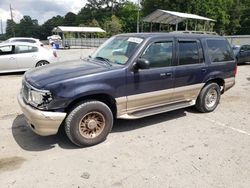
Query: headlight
39	99
35	97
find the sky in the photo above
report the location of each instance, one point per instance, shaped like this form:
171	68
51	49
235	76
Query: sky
41	10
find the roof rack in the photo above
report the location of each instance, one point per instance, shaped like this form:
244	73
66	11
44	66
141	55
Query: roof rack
196	32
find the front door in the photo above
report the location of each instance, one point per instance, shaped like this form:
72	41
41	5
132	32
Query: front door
8	60
152	87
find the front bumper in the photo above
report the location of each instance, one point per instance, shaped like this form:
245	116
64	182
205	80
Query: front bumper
41	122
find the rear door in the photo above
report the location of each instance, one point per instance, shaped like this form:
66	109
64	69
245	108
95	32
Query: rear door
152	87
190	70
26	56
248	53
243	54
8	61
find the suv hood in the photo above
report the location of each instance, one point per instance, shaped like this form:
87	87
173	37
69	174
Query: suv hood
42	76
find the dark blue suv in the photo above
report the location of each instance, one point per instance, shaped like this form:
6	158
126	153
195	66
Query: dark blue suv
130	76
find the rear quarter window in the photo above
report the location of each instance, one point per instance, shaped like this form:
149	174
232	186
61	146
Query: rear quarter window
219	50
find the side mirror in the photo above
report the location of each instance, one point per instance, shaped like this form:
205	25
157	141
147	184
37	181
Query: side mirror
141	64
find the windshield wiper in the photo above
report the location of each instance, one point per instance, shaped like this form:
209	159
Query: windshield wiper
103	59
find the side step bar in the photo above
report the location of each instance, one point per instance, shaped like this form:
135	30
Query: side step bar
157	110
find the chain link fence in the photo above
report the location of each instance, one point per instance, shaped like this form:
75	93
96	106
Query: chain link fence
238	39
83	42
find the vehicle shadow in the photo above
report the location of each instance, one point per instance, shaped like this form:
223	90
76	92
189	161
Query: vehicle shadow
12	74
121	125
29	141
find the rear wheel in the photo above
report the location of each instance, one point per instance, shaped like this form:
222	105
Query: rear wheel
208	98
42	63
89	123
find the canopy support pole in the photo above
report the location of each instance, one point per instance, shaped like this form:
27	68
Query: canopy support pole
176	26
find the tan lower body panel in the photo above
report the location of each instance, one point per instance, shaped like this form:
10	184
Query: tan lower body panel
41	122
229	82
157	101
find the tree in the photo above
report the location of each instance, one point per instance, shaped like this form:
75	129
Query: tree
128	16
27	27
46	28
114	26
70	19
10	28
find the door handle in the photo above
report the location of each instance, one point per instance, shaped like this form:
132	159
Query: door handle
166	74
203	70
12	58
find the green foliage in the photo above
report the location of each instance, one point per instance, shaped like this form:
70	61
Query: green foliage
114	26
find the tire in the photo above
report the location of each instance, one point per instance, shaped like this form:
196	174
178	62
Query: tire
89	123
42	63
208	98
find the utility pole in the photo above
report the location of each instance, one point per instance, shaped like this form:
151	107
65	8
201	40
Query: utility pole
138	17
1	26
12	22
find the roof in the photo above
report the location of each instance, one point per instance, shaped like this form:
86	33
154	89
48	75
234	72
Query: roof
78	29
171	17
19	43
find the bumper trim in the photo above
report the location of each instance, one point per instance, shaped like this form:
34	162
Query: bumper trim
41	122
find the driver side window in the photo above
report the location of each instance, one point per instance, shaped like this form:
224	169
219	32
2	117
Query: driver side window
6	50
159	54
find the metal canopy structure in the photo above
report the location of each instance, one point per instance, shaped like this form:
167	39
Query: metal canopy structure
172	18
62	29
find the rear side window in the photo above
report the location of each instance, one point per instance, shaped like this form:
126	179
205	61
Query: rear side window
219	50
25	49
189	53
25	40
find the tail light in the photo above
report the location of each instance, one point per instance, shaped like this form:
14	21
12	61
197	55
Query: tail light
235	70
54	53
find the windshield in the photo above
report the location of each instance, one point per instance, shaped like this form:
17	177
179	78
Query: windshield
117	49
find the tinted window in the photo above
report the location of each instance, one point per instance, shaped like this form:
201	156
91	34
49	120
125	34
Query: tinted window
5	50
25	49
188	53
219	50
25	40
159	54
245	47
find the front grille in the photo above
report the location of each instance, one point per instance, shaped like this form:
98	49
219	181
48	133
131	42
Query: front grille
25	91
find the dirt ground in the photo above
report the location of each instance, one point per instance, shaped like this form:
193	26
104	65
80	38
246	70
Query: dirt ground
182	148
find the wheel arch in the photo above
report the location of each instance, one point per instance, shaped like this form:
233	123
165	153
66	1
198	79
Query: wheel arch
219	81
102	97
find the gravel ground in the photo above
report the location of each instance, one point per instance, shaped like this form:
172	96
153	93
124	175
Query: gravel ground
182	148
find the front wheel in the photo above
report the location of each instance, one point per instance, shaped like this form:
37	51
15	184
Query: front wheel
42	63
89	123
208	98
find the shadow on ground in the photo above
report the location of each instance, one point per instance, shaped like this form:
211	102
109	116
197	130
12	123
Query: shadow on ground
29	141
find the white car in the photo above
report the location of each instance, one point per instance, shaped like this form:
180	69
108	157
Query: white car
24	39
20	56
